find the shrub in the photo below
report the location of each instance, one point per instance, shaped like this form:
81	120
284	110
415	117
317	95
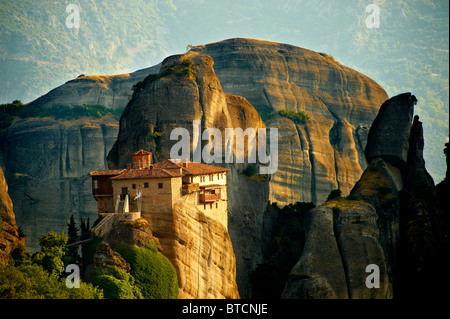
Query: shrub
335	193
250	170
353	197
116	283
297	117
154	274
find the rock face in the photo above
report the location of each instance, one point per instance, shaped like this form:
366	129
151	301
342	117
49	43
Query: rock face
425	225
47	162
175	101
199	247
202	253
383	141
314	158
366	228
44	154
104	256
326	153
9	236
111	91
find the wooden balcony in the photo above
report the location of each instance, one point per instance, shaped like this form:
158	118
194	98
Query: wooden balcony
102	192
189	188
205	198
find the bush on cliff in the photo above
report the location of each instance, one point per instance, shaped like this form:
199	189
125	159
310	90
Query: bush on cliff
153	272
297	117
116	283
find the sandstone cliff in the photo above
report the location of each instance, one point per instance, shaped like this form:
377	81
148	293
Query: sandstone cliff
111	91
199	247
46	163
326	153
272	76
9	235
386	221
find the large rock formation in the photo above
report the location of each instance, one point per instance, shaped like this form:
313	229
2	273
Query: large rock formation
9	235
47	162
326	153
365	228
425	226
199	247
202	253
111	91
383	141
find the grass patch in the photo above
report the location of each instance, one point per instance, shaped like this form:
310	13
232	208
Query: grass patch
297	117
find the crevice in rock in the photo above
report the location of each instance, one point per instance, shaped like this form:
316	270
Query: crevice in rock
267	98
337	235
336	170
105	150
336	118
313	167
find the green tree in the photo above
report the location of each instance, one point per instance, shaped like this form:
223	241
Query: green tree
73	256
53	249
31	281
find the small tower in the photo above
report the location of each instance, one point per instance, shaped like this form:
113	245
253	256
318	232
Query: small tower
141	159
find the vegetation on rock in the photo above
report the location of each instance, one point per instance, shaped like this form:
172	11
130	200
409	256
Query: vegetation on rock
297	117
42	275
185	69
154	275
11	111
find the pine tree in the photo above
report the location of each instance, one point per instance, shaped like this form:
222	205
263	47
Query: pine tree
72	231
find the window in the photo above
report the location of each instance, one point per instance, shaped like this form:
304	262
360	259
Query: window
204	206
146	185
210	205
217	206
134	186
160	185
95	184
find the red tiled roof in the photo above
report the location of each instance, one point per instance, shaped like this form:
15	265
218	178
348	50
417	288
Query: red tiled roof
195	168
106	172
147	173
163	169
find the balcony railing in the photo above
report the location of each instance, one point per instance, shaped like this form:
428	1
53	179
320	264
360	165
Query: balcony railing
209	197
102	191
